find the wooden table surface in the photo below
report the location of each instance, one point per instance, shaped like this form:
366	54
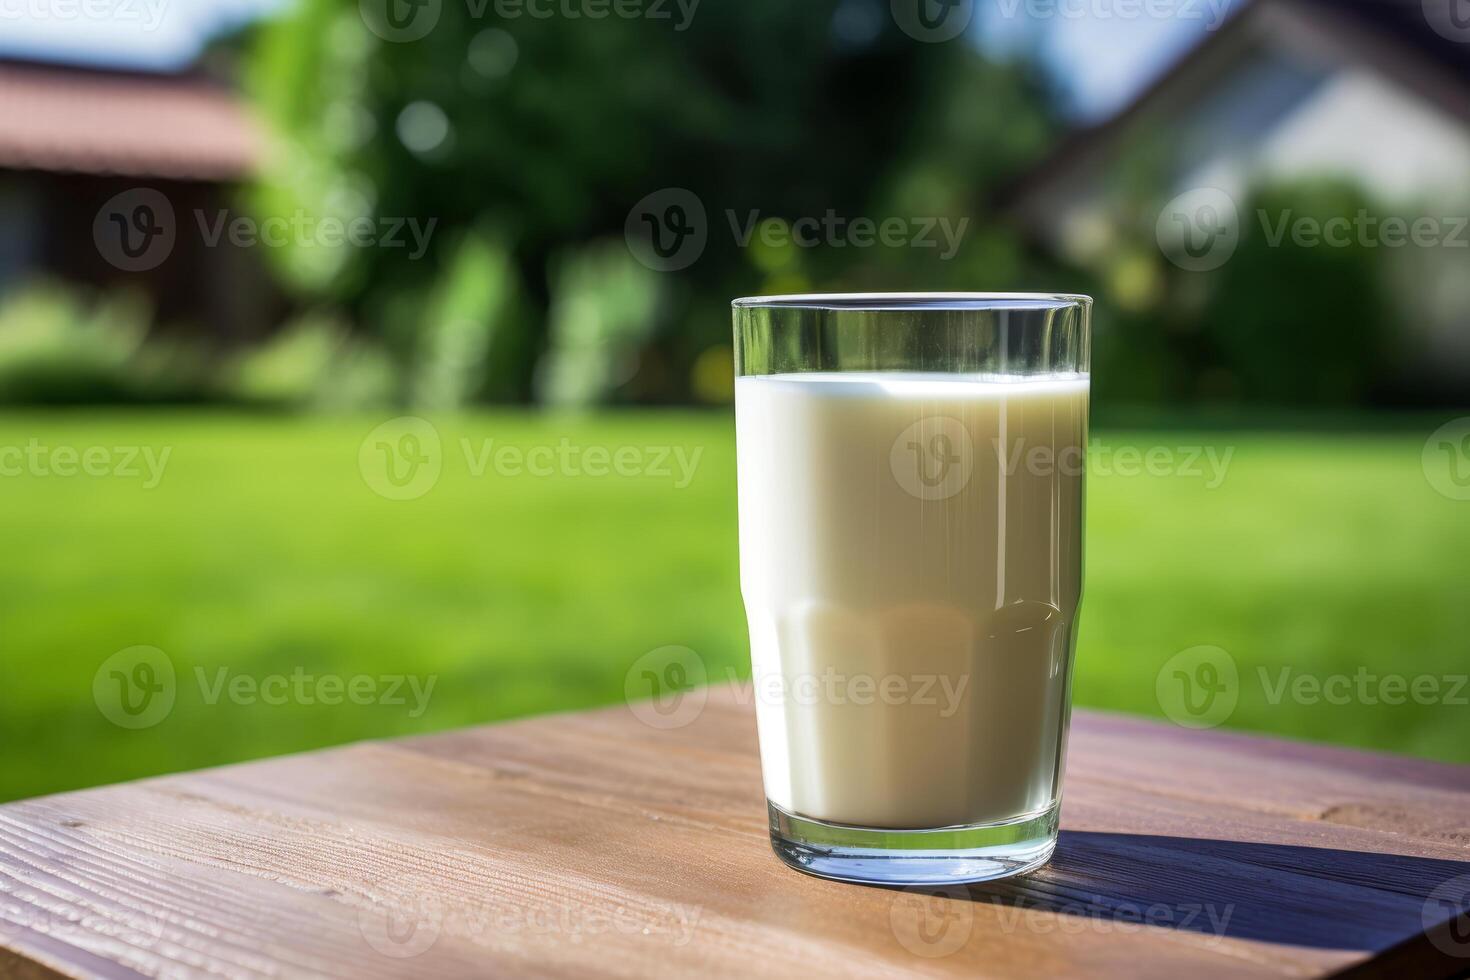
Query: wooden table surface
593	844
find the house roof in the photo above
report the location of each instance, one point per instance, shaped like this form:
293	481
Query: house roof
1393	36
80	120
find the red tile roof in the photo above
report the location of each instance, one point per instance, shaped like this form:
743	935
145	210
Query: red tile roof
136	125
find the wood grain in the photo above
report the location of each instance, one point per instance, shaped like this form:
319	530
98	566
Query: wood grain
592	844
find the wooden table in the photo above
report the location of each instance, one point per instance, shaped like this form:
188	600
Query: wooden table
591	844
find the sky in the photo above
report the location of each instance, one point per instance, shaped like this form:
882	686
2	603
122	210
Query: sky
1101	61
1102	51
162	34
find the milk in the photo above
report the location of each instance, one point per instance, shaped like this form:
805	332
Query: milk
910	555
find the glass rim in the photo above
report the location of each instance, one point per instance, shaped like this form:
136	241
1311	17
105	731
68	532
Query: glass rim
883	302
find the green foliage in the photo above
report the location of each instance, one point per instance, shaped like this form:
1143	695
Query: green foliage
541	134
602	309
1280	323
1297	323
60	347
313	362
473	330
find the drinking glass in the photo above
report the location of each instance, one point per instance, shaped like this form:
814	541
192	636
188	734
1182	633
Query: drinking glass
911	496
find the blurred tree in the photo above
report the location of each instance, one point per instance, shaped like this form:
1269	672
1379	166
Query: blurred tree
1293	320
1280	320
541	134
602	308
61	345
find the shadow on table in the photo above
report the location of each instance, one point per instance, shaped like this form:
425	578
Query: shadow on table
1302	896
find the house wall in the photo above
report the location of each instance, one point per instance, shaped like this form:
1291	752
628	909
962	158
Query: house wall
221	292
19	229
1264	108
1352	123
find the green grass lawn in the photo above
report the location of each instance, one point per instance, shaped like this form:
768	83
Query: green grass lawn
263	551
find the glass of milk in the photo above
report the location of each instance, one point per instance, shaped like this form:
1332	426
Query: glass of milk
911	487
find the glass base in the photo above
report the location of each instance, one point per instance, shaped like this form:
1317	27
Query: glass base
944	856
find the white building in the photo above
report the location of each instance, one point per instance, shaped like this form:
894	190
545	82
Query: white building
1376	91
